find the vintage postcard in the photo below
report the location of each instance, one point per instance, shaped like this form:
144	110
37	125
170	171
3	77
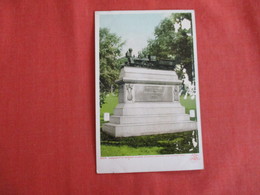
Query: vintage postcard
147	92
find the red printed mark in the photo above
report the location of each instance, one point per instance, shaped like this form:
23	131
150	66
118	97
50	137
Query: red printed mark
194	157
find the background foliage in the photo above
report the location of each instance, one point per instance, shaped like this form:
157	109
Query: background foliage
173	41
110	50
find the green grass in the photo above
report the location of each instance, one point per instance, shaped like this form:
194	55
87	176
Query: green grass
128	151
173	143
109	106
189	104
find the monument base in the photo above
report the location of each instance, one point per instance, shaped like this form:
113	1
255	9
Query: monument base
148	104
147	129
148	119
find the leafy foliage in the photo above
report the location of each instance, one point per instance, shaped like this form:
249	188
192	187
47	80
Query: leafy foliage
173	42
110	46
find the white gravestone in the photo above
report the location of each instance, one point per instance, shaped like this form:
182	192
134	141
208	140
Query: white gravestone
192	113
106	116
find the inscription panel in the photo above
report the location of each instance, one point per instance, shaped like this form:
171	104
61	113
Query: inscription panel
151	93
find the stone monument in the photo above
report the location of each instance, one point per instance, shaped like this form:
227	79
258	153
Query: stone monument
149	103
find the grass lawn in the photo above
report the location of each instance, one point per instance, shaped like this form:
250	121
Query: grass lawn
175	143
109	106
189	104
125	150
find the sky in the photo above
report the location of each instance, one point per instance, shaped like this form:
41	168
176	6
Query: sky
135	29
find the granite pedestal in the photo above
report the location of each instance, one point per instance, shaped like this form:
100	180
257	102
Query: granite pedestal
149	104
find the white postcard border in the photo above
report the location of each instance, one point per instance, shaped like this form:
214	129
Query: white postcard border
147	163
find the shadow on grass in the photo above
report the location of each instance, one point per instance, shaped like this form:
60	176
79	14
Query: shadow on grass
174	143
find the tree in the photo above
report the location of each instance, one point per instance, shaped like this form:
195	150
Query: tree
173	41
110	46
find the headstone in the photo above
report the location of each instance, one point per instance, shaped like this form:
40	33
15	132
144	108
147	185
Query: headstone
106	116
192	113
149	104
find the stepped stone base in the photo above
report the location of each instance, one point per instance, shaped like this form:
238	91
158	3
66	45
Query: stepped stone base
148	104
148	119
148	129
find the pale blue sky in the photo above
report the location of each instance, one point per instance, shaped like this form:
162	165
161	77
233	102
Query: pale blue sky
134	28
